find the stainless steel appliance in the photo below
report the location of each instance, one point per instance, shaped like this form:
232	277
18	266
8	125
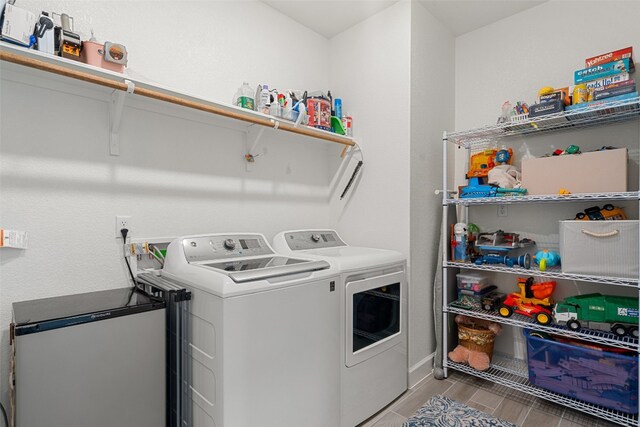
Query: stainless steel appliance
97	359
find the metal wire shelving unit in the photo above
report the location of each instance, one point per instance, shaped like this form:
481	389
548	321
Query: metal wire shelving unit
521	321
513	373
546	198
598	113
551	272
509	372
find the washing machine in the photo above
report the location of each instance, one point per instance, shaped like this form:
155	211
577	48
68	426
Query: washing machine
373	318
264	345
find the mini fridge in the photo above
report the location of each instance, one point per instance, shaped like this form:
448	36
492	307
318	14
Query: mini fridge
96	359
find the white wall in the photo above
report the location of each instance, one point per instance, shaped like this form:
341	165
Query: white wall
177	172
370	65
204	47
432	111
492	65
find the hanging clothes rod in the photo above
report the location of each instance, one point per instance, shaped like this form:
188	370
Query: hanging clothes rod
172	99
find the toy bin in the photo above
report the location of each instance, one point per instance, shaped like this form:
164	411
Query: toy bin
583	371
476	337
600	248
472	282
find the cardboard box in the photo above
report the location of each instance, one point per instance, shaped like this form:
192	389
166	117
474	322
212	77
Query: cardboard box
18	25
622	77
595	172
601	71
627	52
615	89
548	107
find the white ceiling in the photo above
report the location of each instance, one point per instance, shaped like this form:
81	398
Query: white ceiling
463	16
331	17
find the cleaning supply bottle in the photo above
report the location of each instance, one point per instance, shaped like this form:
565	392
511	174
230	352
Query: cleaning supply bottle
244	97
287	111
264	102
338	108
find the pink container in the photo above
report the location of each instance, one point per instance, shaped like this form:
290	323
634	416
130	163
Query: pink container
93	54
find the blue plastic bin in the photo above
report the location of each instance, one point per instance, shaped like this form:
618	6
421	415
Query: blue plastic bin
603	378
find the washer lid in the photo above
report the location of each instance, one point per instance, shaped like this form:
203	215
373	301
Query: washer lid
350	258
327	245
246	270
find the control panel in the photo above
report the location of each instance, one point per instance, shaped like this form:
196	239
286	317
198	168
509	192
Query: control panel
312	239
224	246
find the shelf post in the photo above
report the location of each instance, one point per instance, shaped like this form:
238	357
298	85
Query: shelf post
115	116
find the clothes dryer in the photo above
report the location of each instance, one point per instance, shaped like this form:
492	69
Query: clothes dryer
373	318
264	343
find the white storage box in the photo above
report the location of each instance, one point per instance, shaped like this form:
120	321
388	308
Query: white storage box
600	248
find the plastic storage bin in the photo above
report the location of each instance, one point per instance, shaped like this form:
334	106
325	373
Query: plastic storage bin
586	373
600	248
471	282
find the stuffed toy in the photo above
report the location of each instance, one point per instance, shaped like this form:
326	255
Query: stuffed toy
476	359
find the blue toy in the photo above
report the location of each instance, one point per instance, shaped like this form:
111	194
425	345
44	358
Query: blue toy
546	258
523	261
496	246
477	189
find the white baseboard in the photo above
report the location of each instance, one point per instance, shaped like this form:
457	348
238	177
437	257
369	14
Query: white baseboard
421	370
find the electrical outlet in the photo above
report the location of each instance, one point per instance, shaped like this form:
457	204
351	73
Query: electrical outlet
123	222
135	249
502	210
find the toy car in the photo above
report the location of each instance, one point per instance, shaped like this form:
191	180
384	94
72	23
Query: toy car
533	301
608	212
493	300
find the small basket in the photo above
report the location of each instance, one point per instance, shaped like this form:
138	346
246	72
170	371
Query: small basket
476	338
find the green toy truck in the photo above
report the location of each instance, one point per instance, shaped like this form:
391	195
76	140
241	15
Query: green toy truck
602	312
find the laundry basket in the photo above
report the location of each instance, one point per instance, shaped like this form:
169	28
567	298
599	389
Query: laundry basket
476	337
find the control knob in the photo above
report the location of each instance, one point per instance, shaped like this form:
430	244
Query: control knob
315	237
230	244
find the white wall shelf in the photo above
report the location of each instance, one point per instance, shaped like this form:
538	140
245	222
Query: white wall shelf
52	65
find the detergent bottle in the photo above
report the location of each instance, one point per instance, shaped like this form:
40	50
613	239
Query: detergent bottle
244	97
264	101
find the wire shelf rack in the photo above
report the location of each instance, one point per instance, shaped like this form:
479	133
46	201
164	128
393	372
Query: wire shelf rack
521	321
513	373
597	113
553	272
507	200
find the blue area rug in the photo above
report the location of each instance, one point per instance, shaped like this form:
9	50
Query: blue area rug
441	411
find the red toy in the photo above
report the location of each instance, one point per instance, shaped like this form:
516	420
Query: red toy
533	300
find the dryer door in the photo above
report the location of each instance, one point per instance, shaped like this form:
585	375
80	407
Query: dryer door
373	316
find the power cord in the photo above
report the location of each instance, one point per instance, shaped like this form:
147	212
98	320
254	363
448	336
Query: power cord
124	232
4	415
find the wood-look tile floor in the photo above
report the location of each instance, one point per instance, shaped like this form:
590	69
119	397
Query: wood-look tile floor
518	408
